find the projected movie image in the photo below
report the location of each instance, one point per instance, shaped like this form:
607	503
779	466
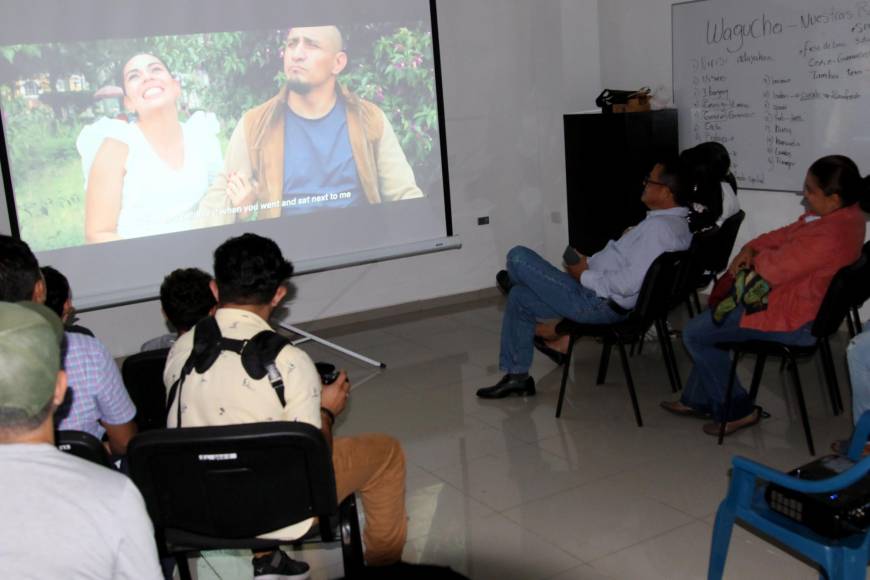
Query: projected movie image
128	138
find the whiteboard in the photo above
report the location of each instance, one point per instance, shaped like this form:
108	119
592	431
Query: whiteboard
780	83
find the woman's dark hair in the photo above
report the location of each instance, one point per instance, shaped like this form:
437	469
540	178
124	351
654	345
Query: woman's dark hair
839	174
713	158
249	269
56	289
708	165
186	297
119	71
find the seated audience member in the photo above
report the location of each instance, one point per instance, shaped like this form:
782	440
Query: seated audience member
714	195
58	298
250	277
63	517
598	289
185	298
97	401
797	263
858	355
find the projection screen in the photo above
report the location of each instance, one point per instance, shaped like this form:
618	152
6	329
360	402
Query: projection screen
138	136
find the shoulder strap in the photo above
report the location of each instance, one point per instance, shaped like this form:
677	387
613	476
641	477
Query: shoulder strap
206	348
257	355
258	359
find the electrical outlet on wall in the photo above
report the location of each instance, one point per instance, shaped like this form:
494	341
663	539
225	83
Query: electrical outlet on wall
556	217
483	220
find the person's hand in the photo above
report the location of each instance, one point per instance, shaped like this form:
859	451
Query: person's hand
240	189
742	261
577	269
334	395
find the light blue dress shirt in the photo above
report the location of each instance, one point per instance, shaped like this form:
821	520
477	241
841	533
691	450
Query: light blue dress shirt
617	271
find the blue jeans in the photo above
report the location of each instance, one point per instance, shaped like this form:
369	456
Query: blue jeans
542	292
858	354
708	381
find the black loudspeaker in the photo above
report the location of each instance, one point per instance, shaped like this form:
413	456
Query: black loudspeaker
606	159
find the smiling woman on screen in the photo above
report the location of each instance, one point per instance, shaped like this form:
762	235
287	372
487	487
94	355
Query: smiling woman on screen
147	177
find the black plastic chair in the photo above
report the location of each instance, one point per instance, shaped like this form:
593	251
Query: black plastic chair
84	445
143	377
652	305
711	251
221	487
847	286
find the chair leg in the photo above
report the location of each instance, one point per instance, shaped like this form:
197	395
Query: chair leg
603	363
697	300
351	539
183	566
627	371
845	563
669	355
850	324
637	347
732	377
721	540
792	365
565	376
831	376
757	373
689	308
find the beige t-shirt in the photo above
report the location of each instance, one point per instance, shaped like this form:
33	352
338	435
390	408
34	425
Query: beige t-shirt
226	395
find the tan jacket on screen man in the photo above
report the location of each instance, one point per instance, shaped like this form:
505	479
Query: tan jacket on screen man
256	149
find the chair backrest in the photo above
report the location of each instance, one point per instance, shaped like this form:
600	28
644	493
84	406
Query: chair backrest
661	282
234	481
143	377
849	287
719	250
84	445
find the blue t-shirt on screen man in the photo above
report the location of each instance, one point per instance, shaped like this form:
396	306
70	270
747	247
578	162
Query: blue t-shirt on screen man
319	170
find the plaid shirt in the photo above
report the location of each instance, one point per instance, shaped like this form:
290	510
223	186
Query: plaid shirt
97	392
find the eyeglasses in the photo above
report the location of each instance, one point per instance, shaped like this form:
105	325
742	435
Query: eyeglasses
647	181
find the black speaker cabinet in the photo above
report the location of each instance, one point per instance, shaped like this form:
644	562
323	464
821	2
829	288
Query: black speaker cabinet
606	158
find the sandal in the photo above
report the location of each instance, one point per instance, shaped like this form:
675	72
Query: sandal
681	410
554	355
732	427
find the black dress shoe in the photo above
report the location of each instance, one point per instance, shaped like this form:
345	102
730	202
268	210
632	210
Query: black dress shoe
503	281
507	387
554	355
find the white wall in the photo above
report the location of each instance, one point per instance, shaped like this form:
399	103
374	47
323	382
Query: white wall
636	51
510	70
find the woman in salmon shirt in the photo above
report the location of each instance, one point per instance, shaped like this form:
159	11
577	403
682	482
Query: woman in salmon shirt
798	263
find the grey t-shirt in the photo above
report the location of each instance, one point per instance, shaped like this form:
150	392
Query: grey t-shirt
63	517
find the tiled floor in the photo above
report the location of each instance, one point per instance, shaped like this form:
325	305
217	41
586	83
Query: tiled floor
504	490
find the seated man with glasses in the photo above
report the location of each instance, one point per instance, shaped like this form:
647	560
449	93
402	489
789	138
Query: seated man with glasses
598	289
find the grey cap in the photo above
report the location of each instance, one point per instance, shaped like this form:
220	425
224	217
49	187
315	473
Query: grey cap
30	352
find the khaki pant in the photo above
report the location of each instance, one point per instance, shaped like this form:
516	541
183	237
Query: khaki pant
374	465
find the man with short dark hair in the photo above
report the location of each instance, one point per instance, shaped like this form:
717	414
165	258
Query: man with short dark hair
598	289
62	517
58	297
185	299
313	145
250	278
98	402
20	278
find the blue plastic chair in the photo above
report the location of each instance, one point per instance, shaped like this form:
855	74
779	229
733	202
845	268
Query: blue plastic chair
844	558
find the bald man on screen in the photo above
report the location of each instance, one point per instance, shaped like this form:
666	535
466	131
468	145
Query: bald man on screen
314	145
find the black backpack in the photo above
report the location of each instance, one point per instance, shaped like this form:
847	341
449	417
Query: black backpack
258	355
